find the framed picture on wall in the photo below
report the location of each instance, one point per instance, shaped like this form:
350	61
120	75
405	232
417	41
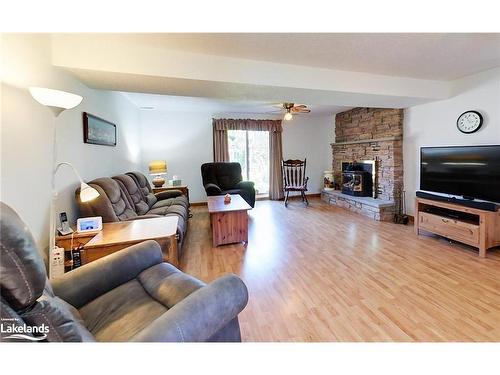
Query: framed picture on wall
98	131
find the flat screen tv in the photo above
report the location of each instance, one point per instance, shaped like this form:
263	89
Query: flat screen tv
469	171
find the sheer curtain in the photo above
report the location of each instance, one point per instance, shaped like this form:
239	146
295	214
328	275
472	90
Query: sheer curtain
221	150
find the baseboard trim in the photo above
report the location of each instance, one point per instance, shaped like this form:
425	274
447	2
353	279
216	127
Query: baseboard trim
297	196
198	204
313	195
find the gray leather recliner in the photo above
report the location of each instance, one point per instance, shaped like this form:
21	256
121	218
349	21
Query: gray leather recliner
121	199
152	199
130	295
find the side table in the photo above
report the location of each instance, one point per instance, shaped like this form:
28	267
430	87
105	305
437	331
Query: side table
117	236
183	188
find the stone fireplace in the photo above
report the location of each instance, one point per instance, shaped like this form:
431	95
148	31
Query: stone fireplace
369	142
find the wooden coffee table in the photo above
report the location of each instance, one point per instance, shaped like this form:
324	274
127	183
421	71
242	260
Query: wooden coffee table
229	221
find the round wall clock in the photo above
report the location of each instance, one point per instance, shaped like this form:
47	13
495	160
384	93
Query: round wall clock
469	122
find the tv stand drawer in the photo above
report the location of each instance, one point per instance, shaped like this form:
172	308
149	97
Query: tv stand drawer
450	228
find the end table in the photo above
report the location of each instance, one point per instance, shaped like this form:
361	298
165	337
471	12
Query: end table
183	188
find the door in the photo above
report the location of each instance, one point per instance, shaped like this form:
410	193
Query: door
251	150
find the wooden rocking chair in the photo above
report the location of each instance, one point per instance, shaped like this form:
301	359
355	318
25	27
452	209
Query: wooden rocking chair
294	178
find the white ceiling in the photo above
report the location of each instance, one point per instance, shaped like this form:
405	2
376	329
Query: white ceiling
248	72
418	55
216	106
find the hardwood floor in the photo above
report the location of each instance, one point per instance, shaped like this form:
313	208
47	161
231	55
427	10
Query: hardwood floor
322	273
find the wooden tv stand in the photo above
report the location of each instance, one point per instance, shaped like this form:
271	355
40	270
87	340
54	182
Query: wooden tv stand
478	228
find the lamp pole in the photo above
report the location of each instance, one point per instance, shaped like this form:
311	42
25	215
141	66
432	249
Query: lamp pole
57	101
52	220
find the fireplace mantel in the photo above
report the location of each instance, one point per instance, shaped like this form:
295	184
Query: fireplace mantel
387	139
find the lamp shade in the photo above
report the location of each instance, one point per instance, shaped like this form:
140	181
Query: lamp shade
87	193
158	167
56	100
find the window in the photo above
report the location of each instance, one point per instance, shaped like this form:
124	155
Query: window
251	150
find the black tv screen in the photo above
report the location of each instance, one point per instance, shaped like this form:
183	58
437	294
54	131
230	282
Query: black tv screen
469	171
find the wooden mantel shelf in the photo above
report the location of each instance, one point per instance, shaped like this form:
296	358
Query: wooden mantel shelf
388	139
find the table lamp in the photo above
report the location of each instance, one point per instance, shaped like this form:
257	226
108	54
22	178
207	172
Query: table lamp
158	168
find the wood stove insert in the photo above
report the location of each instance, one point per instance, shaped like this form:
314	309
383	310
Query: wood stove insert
358	178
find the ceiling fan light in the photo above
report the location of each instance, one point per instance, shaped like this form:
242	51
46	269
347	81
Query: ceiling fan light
288	116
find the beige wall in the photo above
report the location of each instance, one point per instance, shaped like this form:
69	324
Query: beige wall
26	134
434	124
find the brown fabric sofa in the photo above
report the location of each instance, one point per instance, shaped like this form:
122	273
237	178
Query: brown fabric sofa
123	198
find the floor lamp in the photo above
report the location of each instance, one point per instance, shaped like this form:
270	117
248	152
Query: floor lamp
58	101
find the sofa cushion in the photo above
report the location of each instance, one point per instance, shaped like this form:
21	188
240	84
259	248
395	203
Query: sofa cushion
167	284
121	313
182	201
151	199
120	202
163	203
133	192
178	210
144	186
141	181
159	211
178	205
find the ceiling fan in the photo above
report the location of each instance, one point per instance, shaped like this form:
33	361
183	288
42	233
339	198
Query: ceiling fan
292	109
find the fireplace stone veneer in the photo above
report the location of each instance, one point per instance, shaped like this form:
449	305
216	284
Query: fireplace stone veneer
370	134
376	209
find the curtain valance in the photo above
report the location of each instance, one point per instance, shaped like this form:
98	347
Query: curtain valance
247	124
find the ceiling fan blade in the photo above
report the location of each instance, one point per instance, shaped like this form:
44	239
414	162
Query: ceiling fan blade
300	106
300	110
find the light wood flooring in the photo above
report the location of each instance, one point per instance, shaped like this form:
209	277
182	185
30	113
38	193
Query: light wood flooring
322	273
